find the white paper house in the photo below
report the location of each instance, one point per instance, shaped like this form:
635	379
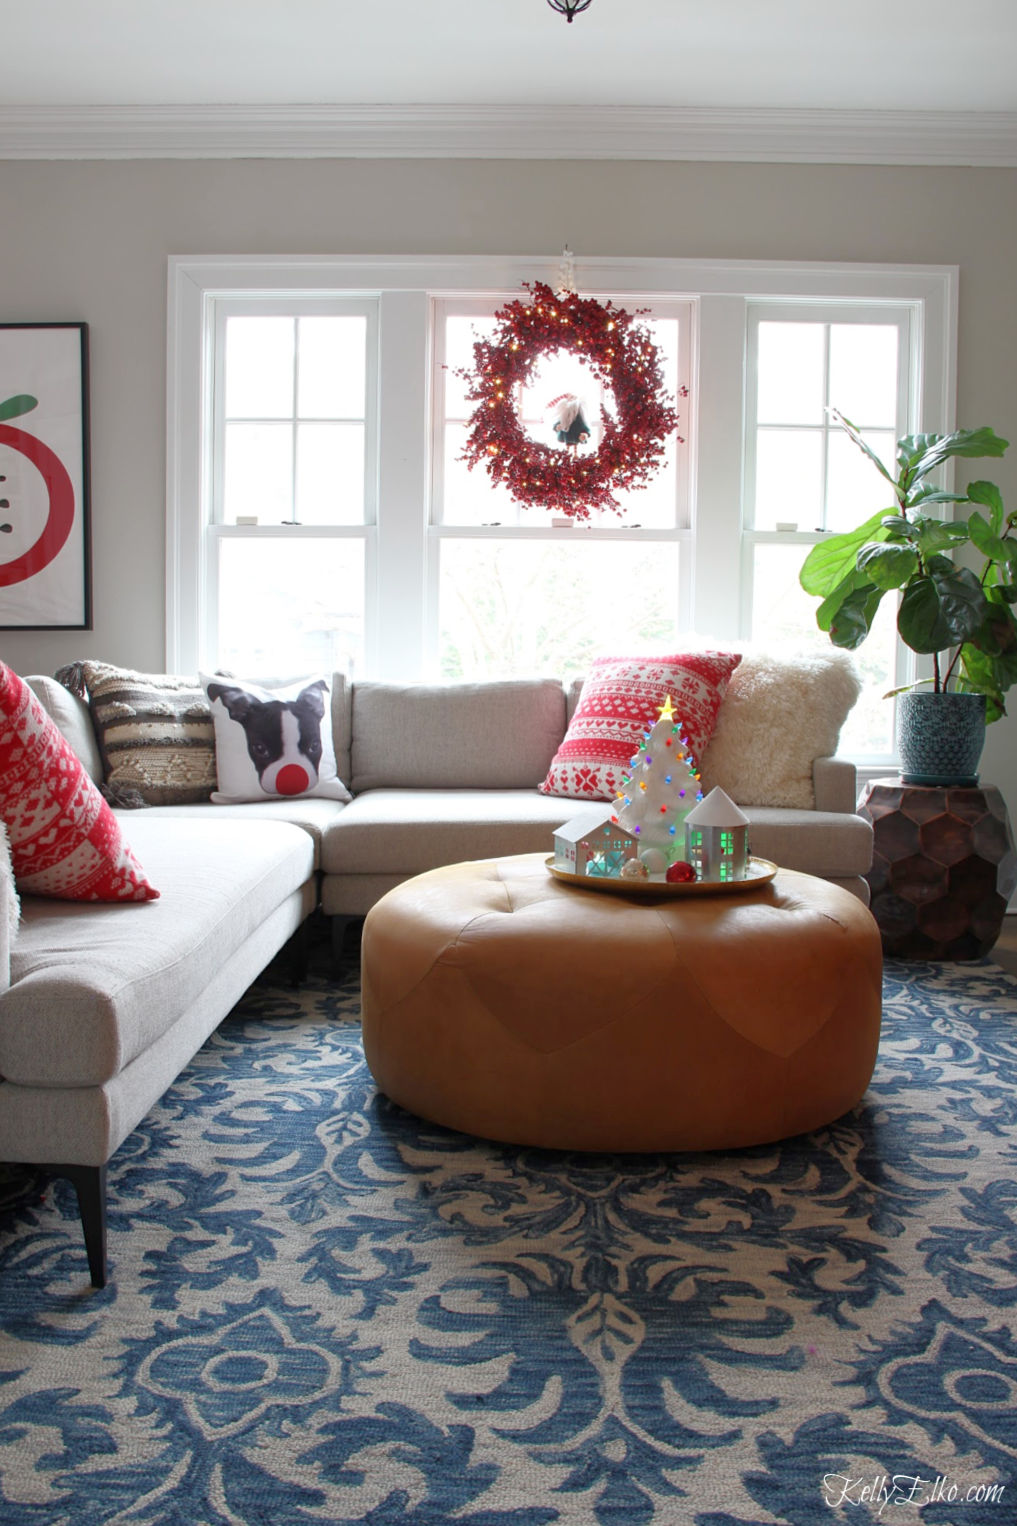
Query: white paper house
594	843
717	838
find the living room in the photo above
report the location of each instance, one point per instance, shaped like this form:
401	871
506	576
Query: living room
664	146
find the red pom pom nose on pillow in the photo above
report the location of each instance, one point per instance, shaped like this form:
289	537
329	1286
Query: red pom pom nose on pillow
292	780
620	702
65	840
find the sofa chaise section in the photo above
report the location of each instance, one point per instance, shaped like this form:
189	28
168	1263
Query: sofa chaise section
108	1003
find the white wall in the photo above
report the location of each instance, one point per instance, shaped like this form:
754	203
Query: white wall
89	241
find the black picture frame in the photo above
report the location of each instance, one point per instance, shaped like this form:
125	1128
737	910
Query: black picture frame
45	489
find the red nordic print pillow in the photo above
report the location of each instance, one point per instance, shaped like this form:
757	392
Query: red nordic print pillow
620	701
65	841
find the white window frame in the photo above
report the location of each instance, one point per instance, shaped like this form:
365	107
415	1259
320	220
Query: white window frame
215	531
903	316
398	596
907	318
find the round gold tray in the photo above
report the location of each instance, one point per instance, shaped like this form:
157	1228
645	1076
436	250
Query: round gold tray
758	872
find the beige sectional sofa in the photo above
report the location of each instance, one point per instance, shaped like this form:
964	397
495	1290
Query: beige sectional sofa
102	1006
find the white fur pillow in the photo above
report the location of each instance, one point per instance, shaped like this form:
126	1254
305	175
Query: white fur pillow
7	891
10	905
780	713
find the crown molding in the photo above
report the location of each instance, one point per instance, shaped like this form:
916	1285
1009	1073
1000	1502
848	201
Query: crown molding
509	132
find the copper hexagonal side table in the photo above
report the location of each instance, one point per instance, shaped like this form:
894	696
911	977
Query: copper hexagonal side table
944	866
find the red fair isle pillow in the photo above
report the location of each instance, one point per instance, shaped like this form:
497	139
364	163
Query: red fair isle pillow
620	701
65	840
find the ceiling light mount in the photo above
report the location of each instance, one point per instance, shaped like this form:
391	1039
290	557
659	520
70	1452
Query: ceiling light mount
569	8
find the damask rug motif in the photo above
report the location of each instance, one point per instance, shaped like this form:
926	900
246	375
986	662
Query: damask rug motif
324	1310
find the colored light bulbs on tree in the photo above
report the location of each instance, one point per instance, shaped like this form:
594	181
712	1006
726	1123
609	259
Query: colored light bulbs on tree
662	789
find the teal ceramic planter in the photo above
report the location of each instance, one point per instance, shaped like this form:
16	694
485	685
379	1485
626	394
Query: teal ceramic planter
940	738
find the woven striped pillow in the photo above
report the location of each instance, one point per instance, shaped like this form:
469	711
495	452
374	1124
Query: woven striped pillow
154	730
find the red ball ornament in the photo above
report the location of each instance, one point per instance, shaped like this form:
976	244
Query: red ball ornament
680	873
619	351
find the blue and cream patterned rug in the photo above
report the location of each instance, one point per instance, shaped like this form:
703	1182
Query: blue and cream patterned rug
324	1310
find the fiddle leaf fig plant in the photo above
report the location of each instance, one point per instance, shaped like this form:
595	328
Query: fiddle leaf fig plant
963	618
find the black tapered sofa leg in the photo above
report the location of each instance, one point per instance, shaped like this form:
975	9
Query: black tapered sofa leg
298	954
340	925
89	1182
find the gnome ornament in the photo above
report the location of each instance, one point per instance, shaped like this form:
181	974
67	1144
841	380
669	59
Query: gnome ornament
567	420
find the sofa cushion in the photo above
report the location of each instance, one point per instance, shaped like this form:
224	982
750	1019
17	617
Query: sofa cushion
65	840
342	721
829	844
835	784
93	988
496	735
73	719
778	716
313	816
273	740
620	701
407	831
154	732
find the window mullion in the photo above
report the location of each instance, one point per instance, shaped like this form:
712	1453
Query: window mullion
208	634
827	425
719	399
295	423
397	647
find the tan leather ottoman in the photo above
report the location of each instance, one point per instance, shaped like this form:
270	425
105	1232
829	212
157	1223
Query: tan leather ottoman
501	1002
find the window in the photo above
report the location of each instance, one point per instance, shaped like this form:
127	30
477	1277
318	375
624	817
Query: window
294	413
293	446
517	590
805	477
319	515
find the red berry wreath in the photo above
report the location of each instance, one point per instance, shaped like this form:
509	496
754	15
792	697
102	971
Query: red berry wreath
620	352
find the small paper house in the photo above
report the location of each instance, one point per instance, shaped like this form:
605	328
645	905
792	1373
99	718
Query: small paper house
717	838
593	843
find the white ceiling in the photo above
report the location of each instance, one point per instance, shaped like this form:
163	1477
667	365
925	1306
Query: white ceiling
860	81
898	55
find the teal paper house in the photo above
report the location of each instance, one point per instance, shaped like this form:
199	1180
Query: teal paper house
593	843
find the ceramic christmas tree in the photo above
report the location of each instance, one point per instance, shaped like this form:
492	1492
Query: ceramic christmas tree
660	792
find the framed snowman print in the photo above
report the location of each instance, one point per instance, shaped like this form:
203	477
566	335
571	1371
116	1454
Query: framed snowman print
45	549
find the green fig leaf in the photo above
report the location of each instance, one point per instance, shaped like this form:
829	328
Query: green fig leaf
832	560
935	495
887	566
984	673
924	453
851	622
856	435
935	535
989	496
985	540
942	609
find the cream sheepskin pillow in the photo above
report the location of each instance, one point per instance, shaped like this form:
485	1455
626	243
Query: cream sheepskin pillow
780	713
8	903
8	894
